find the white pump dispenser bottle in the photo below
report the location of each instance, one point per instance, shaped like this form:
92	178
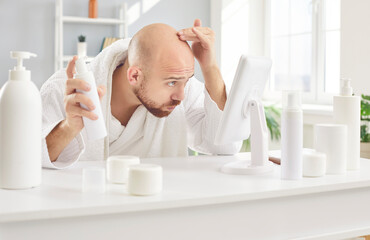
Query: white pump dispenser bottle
347	110
291	136
20	128
95	129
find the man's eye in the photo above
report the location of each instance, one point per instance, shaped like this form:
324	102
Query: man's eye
171	84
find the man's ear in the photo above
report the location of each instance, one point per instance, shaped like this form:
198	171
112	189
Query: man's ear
134	75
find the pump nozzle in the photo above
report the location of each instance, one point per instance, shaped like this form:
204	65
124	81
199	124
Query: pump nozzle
345	89
19	72
20	56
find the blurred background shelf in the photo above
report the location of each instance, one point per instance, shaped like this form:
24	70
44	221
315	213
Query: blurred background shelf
111	21
61	20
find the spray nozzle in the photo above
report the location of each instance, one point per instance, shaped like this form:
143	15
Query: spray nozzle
291	100
345	89
81	66
20	56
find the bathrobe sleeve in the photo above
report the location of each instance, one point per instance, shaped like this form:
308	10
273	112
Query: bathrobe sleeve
203	117
52	96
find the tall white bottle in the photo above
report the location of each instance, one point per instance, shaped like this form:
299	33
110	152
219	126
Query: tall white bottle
291	136
95	129
20	128
347	110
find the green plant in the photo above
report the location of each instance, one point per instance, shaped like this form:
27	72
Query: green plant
365	118
81	38
272	113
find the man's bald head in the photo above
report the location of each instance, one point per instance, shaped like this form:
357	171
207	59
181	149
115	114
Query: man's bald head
156	43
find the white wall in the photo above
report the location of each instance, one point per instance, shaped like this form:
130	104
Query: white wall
29	26
238	25
355	44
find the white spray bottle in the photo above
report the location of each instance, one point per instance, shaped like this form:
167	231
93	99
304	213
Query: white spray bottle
291	136
95	129
347	110
20	128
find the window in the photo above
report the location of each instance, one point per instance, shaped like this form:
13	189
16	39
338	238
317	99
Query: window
303	40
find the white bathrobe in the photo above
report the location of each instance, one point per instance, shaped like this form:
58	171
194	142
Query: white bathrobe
191	124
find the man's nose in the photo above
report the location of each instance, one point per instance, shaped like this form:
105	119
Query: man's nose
179	94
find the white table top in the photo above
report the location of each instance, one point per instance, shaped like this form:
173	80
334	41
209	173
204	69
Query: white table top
191	181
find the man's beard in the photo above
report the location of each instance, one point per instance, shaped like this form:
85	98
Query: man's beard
150	105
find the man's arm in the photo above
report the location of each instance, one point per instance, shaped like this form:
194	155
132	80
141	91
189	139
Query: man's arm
68	129
203	122
203	50
215	85
59	138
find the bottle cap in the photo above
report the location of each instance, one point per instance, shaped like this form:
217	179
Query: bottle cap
292	100
346	89
19	72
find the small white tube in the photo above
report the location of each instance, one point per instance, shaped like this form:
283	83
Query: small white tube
95	129
93	180
291	136
144	179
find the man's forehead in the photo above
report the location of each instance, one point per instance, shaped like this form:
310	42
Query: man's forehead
179	77
178	72
176	69
182	70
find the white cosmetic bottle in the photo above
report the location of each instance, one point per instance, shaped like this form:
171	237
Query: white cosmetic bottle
95	129
20	128
347	110
291	136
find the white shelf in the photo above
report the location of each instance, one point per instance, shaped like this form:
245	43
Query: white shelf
61	20
111	21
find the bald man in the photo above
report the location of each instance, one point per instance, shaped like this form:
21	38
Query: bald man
151	103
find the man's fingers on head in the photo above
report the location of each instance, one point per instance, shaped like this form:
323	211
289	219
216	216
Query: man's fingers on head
197	22
206	30
203	31
189	33
204	39
193	38
73	84
71	67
